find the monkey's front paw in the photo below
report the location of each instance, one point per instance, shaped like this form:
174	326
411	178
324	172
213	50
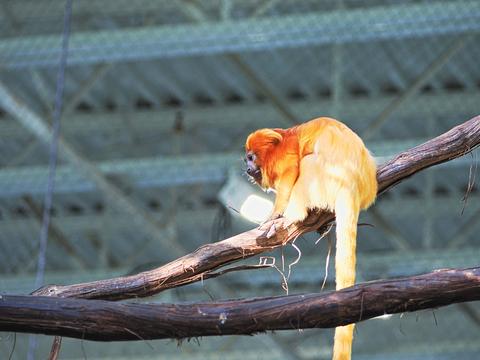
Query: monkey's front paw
269	227
272	217
269	230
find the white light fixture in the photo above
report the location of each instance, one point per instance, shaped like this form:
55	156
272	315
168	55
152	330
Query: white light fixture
245	199
256	208
383	317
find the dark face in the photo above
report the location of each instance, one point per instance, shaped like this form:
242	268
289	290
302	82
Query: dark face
252	170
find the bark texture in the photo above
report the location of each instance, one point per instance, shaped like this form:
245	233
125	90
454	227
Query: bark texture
108	321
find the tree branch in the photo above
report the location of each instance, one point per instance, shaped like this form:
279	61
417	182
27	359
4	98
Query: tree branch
199	264
109	321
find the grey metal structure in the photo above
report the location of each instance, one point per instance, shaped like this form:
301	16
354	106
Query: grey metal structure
159	99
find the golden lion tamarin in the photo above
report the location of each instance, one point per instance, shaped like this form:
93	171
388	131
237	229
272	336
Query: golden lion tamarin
320	164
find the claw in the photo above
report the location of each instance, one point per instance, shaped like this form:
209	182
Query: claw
272	231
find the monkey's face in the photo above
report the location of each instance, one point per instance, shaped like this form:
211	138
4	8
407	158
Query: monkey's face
258	149
252	169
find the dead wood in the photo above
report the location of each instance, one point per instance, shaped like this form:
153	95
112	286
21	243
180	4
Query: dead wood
109	321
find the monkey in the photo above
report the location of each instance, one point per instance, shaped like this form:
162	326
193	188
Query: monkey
321	164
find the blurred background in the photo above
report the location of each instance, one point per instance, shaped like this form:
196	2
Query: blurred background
159	97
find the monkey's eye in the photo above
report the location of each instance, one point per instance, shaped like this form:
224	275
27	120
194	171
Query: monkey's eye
250	157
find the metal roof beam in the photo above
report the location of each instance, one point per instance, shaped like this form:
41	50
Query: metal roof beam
413	88
261	84
355	112
339	26
40	128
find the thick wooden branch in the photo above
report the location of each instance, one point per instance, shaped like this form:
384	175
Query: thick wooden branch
198	265
107	321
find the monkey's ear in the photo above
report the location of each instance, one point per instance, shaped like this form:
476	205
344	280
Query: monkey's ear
272	136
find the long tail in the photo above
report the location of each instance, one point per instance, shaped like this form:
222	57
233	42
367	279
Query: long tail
346	211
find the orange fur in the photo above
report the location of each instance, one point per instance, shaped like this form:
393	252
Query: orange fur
320	164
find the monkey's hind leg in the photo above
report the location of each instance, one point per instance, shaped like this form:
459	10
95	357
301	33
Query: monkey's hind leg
296	209
300	197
